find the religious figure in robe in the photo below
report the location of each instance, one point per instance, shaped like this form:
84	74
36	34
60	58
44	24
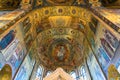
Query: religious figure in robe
61	53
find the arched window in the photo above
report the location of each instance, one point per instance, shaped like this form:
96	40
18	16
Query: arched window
73	74
82	73
39	73
7	39
48	73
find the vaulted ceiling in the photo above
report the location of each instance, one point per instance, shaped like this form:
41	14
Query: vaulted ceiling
62	36
63	29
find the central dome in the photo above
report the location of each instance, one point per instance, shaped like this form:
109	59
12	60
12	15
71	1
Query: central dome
61	51
61	47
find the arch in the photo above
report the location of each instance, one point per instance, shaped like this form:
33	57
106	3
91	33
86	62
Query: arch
73	74
39	73
6	73
48	73
82	72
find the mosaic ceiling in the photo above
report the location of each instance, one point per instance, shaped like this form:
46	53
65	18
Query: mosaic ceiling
61	47
61	38
62	33
63	30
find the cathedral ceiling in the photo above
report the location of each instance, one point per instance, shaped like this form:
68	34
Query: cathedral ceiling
61	47
61	36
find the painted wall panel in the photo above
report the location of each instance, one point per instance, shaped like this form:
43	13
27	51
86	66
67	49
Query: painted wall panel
106	46
94	68
25	69
12	47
